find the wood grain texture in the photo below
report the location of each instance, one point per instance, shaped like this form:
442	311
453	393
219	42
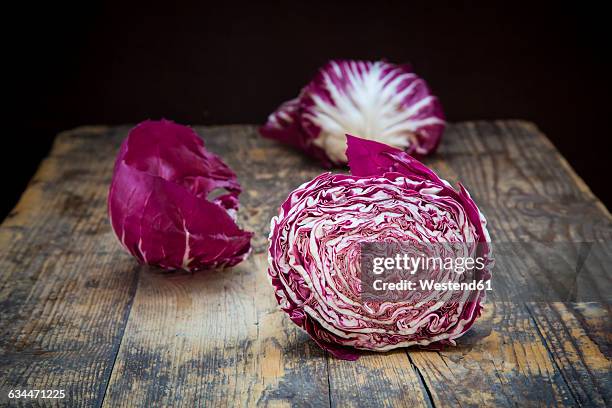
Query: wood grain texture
65	287
79	314
529	194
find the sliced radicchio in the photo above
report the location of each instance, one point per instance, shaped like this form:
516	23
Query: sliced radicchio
314	251
374	100
159	203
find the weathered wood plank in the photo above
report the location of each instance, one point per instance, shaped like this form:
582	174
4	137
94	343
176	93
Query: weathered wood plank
528	193
595	320
218	338
65	286
506	365
284	366
583	365
376	380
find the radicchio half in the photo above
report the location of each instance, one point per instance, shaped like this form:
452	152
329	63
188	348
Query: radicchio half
375	100
314	251
159	203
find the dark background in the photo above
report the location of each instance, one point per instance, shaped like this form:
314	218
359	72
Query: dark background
114	63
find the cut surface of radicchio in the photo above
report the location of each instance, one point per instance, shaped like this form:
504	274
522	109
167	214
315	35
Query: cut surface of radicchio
375	100
159	204
314	257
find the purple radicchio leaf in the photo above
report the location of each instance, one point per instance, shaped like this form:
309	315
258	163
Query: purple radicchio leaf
314	252
369	158
159	204
375	100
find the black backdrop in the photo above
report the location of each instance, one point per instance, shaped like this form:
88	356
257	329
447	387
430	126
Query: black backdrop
113	62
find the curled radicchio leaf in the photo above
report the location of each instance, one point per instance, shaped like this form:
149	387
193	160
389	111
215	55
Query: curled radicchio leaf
375	100
314	252
159	204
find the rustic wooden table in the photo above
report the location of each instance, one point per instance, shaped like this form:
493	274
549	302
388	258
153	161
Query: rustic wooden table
79	314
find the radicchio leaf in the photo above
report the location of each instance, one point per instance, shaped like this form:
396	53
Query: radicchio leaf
159	203
374	100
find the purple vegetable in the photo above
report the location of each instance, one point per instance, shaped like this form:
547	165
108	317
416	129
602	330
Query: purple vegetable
375	100
159	203
314	253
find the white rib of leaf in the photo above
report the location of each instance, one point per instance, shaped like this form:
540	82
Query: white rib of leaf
370	107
